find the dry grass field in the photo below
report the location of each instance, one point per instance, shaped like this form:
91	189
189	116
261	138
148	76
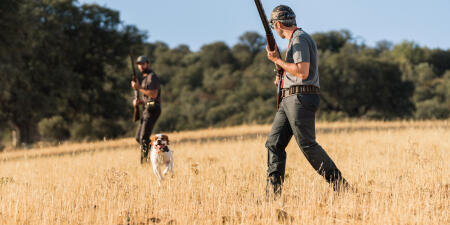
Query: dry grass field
401	170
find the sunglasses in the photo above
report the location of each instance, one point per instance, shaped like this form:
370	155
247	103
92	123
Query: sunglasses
272	23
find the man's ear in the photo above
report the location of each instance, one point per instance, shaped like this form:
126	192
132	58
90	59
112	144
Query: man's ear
280	25
276	25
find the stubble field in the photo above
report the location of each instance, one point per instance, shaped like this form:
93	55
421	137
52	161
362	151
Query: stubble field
401	171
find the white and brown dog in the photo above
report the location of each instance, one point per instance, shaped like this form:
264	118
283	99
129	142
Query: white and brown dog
161	156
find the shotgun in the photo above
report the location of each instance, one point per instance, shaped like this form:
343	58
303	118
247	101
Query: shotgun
136	113
271	43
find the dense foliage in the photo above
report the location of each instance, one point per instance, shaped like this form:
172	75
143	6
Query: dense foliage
65	74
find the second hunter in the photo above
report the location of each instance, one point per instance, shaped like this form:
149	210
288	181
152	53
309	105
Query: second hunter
151	99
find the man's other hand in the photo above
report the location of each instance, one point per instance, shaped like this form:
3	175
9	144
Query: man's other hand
277	79
273	55
136	102
135	85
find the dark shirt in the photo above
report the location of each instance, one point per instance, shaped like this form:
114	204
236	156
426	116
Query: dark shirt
151	82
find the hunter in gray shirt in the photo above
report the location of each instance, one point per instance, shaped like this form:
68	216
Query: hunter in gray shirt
295	116
302	48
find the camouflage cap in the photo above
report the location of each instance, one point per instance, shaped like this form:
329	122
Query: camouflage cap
284	14
142	59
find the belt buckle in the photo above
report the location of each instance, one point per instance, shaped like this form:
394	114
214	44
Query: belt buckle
283	93
291	90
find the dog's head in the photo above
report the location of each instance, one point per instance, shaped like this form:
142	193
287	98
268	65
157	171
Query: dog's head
160	141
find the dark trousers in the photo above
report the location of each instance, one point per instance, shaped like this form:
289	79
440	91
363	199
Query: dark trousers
149	117
296	116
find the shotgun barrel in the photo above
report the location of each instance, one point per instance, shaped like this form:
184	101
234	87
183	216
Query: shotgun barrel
271	43
136	114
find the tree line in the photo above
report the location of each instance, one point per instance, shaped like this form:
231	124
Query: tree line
65	74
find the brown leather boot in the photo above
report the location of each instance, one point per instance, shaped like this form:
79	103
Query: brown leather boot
144	152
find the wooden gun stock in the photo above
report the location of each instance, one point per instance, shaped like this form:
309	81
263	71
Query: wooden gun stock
136	114
271	43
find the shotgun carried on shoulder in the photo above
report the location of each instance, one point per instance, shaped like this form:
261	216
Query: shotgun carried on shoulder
136	113
271	43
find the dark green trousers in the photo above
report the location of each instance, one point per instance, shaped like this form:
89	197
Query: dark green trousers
296	116
148	121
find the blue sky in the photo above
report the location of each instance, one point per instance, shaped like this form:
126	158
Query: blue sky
199	22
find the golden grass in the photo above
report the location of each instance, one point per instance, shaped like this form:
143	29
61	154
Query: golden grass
400	168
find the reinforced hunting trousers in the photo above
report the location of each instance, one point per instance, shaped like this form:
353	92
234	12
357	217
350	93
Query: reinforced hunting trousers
147	122
296	117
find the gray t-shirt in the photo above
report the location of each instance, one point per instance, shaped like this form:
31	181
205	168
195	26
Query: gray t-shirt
302	48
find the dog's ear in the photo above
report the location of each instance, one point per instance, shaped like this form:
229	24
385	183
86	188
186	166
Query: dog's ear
154	138
166	138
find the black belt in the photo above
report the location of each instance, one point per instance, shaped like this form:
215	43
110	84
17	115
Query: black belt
151	104
299	89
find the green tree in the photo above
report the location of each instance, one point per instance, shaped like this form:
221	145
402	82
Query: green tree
10	44
440	59
408	52
48	81
357	85
432	93
216	54
332	41
254	41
